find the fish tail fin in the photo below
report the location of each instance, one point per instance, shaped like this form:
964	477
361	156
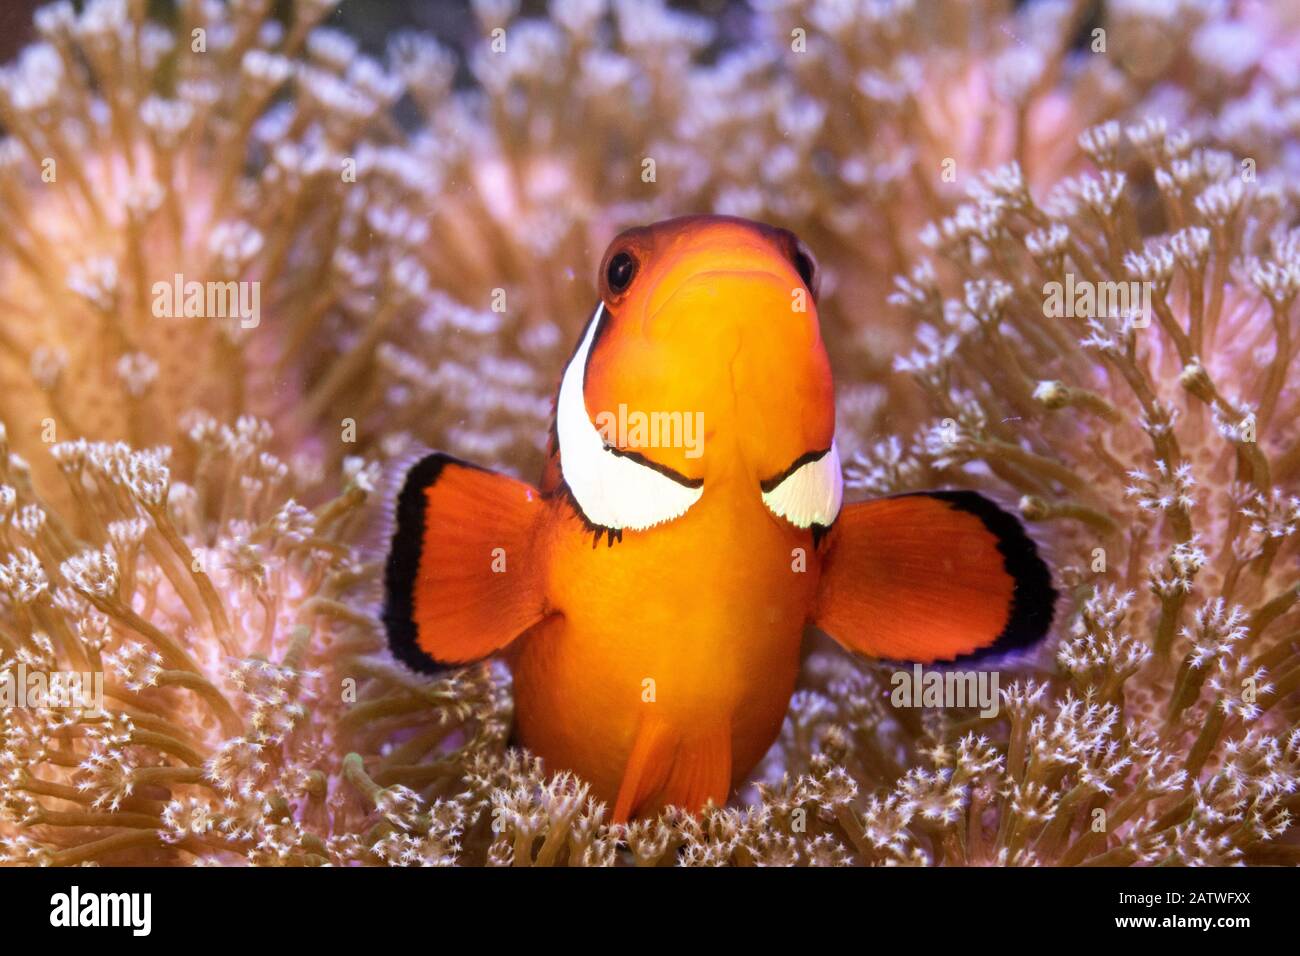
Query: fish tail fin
932	577
462	577
701	774
647	767
669	767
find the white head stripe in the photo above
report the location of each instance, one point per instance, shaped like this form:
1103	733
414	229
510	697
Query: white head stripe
613	491
811	494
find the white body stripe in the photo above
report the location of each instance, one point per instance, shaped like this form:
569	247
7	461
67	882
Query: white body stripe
811	494
613	491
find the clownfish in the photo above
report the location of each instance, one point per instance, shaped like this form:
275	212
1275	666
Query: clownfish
650	597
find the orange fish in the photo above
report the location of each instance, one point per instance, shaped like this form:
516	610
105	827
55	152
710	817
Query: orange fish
651	596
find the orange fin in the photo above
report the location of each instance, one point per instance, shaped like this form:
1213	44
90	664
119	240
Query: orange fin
932	577
461	580
666	767
647	767
701	771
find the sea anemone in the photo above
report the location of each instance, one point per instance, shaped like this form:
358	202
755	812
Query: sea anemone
1155	443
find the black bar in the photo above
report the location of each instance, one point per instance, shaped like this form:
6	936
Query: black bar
523	907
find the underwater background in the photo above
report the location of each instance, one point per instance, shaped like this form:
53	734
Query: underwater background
189	505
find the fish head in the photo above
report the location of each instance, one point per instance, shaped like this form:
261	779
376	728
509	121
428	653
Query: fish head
714	318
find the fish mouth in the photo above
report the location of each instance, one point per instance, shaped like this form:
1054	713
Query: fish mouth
693	282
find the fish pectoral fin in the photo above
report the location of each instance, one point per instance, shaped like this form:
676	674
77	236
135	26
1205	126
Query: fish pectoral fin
463	577
667	766
930	577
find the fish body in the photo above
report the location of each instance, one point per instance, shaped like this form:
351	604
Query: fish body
651	596
705	643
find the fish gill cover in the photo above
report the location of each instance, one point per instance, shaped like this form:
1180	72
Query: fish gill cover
246	267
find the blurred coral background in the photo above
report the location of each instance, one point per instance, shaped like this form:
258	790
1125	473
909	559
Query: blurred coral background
192	507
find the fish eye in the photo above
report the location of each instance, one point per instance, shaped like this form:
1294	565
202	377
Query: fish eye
806	265
620	271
